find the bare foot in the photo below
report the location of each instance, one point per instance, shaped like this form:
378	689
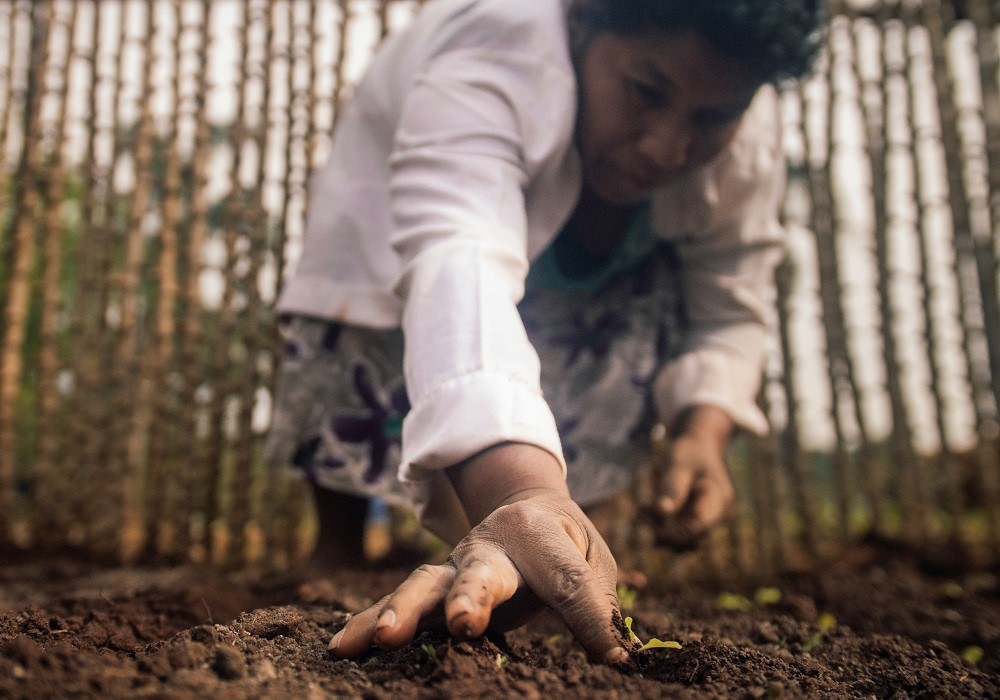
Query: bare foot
340	541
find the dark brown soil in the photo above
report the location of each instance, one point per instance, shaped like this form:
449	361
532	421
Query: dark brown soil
70	630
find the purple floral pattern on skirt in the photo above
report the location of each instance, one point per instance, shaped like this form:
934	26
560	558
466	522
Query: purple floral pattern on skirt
341	398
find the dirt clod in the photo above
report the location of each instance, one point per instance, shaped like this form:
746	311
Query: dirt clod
229	663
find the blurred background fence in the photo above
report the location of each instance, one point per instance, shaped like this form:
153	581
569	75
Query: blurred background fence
154	156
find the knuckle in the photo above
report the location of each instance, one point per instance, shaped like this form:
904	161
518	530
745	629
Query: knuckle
425	571
565	587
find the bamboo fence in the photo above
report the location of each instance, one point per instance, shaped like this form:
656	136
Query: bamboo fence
153	164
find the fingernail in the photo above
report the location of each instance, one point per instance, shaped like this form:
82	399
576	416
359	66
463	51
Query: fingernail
388	619
335	642
616	656
462	603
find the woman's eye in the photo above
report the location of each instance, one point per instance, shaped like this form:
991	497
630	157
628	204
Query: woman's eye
650	94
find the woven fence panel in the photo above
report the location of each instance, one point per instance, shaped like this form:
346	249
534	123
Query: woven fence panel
154	157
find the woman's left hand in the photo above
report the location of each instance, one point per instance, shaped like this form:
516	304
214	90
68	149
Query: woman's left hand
695	491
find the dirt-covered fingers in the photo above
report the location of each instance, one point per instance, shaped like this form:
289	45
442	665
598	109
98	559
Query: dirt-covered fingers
711	500
580	589
359	633
675	487
395	619
486	578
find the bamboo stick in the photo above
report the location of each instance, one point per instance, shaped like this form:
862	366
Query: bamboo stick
50	493
128	442
873	114
767	483
248	448
794	458
283	545
187	478
915	517
276	494
246	384
30	184
984	20
220	441
8	90
98	518
946	465
823	226
76	465
160	363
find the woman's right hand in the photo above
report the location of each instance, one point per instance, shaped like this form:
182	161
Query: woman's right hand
541	543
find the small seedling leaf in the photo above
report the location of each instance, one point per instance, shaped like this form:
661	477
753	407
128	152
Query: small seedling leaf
502	660
826	622
660	644
430	651
632	637
813	641
553	639
952	590
733	602
767	596
973	654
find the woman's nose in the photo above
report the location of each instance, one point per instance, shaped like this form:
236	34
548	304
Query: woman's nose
666	145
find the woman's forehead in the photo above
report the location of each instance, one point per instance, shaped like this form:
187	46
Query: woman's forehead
682	60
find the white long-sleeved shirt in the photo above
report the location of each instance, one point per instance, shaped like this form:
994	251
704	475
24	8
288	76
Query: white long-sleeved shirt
451	169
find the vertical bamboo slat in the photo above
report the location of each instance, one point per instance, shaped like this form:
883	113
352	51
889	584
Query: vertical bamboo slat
825	224
190	485
128	438
30	185
9	100
160	361
86	321
914	524
49	517
946	464
804	501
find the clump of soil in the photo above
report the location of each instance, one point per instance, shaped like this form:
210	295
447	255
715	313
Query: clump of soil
898	633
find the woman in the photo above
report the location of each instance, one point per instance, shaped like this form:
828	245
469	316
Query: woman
545	224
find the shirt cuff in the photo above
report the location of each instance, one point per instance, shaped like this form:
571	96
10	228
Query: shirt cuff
715	378
458	419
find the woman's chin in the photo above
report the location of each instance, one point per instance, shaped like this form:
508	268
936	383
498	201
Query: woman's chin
619	192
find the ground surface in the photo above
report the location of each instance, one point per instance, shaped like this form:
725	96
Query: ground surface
68	629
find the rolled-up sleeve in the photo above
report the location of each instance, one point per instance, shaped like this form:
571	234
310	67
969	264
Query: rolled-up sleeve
727	286
463	154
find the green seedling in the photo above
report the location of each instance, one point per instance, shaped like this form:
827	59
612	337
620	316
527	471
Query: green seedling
826	622
431	652
767	596
553	639
626	597
652	643
501	660
973	654
733	602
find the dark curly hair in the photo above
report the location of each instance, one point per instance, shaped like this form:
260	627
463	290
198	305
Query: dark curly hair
777	39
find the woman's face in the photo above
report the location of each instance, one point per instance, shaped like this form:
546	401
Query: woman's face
652	107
